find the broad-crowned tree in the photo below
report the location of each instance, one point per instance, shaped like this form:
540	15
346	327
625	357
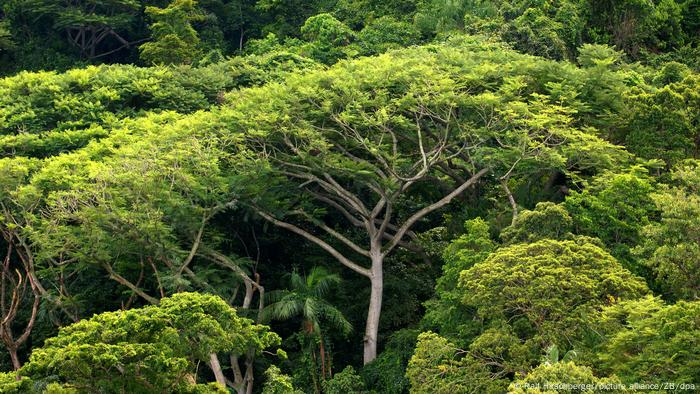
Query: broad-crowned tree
548	286
137	210
531	296
150	350
438	366
123	213
359	143
527	298
142	223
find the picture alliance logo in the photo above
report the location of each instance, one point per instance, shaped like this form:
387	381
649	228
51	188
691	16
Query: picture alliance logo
597	387
664	386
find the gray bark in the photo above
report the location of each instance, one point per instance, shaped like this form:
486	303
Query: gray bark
216	368
374	311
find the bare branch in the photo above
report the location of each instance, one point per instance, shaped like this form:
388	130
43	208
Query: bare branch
226	262
325	246
195	245
333	233
114	275
432	207
331	186
352	219
348	195
511	199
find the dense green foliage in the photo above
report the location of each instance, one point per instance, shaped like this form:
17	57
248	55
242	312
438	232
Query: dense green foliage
57	34
151	347
175	41
647	340
675	263
47	113
417	196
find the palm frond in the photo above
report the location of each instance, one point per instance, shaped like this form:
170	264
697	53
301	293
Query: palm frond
275	296
284	309
297	282
305	298
316	273
311	310
335	318
323	284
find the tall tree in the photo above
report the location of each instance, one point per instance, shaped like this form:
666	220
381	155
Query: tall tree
153	349
154	239
362	145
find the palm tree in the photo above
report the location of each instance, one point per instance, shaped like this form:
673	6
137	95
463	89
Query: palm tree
305	298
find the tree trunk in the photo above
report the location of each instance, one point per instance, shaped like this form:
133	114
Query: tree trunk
16	365
314	372
375	309
237	375
322	353
216	368
249	372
